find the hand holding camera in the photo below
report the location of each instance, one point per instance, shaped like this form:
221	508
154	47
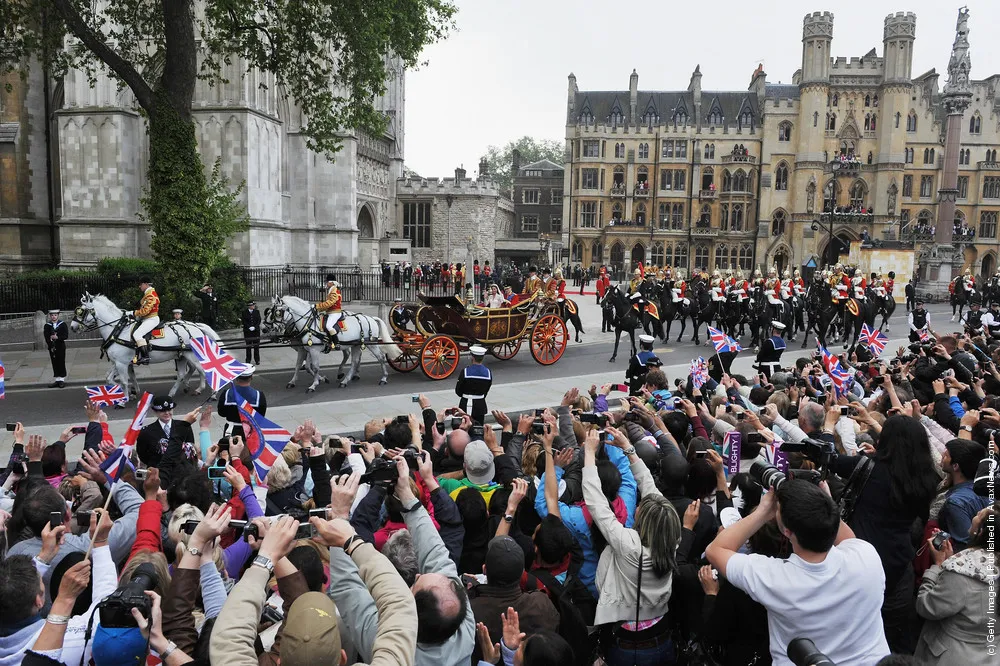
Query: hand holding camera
344	489
215	523
279	539
941	548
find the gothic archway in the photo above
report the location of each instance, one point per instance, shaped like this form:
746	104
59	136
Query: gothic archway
638	253
368	249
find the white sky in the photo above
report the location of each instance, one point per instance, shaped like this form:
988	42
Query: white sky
502	74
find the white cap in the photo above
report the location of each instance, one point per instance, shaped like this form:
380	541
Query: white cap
248	372
647	339
477	350
778	325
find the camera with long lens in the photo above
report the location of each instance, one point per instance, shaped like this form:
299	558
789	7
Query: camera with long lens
116	608
803	652
382	472
818	451
770	477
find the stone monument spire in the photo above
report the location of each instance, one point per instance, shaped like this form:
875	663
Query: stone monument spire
957	97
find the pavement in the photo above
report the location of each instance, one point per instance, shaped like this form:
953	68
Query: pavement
519	384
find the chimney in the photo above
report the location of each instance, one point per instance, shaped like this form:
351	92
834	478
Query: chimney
694	87
633	94
484	167
571	97
515	159
459	175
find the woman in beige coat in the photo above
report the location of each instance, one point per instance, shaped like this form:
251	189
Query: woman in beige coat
954	598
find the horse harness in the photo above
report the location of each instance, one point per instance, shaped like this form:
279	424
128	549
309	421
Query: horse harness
115	337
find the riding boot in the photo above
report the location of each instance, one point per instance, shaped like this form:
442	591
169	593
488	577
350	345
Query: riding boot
142	355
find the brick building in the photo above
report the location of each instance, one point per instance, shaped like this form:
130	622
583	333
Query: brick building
538	214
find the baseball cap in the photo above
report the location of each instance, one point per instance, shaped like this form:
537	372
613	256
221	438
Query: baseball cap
504	561
479	467
311	635
118	646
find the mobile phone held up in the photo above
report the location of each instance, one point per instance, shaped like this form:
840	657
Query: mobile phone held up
11	427
217	472
621	388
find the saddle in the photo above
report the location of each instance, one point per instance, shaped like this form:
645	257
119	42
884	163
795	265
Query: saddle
322	318
156	334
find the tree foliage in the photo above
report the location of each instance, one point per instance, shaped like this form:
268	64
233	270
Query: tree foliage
531	149
331	58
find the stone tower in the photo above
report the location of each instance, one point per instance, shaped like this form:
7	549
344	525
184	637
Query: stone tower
814	86
897	40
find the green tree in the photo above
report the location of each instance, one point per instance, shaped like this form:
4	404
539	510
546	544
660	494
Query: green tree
328	56
499	160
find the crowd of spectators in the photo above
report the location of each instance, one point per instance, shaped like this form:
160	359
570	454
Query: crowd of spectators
627	529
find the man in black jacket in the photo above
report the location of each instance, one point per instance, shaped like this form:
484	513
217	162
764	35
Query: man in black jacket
55	333
209	305
251	332
168	443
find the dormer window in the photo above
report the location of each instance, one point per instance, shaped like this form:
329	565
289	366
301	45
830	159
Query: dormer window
715	118
746	120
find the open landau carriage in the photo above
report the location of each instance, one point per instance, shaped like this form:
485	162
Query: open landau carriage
445	328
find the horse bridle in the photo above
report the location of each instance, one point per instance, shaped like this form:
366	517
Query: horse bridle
278	314
80	317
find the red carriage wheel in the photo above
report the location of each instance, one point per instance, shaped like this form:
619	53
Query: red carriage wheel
408	361
548	339
439	357
506	350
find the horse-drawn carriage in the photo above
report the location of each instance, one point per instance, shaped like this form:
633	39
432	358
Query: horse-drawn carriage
445	327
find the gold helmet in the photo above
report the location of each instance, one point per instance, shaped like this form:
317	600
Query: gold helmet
557	274
773	272
637	273
739	274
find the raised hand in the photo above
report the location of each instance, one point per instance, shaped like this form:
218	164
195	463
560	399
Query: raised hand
490	650
343	489
512	635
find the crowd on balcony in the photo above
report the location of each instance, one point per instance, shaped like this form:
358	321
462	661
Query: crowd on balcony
642	187
740	151
963	230
617	222
847	159
917	229
853	209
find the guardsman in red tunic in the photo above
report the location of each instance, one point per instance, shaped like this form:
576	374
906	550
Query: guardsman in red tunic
148	316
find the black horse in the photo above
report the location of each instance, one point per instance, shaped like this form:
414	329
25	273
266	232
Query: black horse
883	305
730	314
959	297
625	318
670	311
821	311
856	313
760	316
570	311
702	308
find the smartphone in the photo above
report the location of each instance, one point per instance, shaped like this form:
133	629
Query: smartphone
224	443
539	412
456	422
140	474
800	382
729	409
334	443
821	398
477	432
844	410
217	472
319	513
78	430
740	416
357	448
56	518
414	398
11	427
623	388
83	518
403	418
697	399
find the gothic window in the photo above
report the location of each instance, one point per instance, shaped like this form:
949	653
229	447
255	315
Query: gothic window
640	215
908	155
781	177
739	181
709	151
617	254
975	124
926	185
588	214
706	216
722	257
587	118
619	150
991	187
701	258
616	212
667	150
868	101
680	118
875	101
591	148
991	155
785	131
657	256
924	219
642	176
663	215
643	151
988	224
911	122
650	118
715	118
617	117
680	255
963	187
677	216
928	156
736	219
868	121
596	252
858	192
576	254
778	223
831	121
746	256
907	186
724	217
874	120
727	181
963	156
898	116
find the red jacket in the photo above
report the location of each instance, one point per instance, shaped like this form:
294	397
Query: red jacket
147	528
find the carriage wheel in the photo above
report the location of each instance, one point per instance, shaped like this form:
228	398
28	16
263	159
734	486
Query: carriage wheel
439	357
548	339
506	350
408	361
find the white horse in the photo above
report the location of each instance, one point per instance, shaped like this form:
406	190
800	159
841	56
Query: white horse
115	326
296	319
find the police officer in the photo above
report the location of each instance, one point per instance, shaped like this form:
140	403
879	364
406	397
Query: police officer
638	366
769	357
919	320
991	320
251	331
55	333
473	384
973	318
233	397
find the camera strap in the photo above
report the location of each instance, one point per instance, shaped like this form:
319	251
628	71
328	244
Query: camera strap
855	484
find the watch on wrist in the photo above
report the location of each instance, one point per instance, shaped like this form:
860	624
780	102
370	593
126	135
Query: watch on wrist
629	451
966	428
508	518
194	551
265	562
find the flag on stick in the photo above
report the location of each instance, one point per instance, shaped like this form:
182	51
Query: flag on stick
722	342
220	367
699	372
875	340
265	439
106	395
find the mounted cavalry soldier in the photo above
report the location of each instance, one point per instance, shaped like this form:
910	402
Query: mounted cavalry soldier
858	285
718	285
772	289
678	290
331	307
148	318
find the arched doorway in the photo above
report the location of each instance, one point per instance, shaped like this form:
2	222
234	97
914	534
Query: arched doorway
833	251
367	243
781	261
989	265
618	257
638	254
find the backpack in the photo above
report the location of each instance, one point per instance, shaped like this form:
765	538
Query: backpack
576	606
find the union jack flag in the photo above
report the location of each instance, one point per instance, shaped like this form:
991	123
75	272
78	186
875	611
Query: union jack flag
265	439
722	342
219	366
106	395
841	378
699	372
119	458
924	335
873	339
117	462
3	391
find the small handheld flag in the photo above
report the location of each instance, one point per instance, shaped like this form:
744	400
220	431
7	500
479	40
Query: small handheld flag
841	378
875	340
732	445
924	335
722	342
220	367
3	392
135	427
699	372
106	395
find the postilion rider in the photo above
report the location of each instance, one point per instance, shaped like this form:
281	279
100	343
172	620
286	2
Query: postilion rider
331	307
148	318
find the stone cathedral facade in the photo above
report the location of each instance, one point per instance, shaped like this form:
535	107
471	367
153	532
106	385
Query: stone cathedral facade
71	191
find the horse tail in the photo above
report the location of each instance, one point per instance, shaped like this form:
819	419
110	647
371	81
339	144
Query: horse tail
391	349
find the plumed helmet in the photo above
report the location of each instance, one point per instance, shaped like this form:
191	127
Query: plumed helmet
739	274
787	274
637	272
557	273
680	273
757	273
797	274
715	273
